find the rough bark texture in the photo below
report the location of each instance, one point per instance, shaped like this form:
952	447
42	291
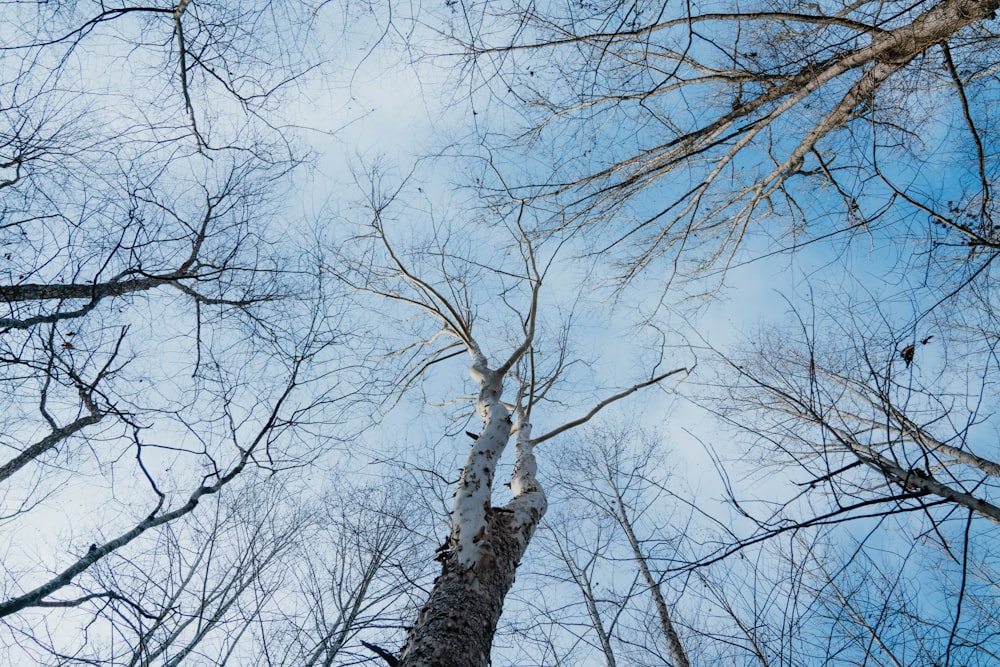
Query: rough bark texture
455	628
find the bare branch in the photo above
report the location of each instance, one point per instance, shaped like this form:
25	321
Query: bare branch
608	401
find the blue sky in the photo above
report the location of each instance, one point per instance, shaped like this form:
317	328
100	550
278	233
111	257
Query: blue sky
386	106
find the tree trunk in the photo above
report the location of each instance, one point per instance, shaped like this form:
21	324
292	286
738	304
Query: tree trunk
458	621
678	657
457	624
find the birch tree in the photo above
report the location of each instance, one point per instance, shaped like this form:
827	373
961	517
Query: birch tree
472	300
885	435
688	140
679	141
610	474
698	128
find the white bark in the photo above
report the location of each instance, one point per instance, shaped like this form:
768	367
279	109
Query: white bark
678	656
470	529
529	502
457	624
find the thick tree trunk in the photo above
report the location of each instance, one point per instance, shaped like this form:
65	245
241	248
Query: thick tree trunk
458	621
457	624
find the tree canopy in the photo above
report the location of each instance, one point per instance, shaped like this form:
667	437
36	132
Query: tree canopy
720	273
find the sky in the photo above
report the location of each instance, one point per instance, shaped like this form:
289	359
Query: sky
372	102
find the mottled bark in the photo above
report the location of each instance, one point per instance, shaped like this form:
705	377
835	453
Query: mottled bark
91	291
455	628
457	623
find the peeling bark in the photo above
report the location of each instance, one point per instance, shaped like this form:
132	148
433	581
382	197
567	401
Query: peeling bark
457	624
478	562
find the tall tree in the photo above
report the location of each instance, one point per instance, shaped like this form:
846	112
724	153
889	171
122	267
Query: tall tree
485	542
611	472
690	139
679	132
886	436
169	338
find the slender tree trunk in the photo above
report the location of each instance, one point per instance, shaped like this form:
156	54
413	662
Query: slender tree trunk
595	618
674	646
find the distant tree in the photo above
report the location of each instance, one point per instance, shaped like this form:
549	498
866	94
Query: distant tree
890	461
161	337
610	476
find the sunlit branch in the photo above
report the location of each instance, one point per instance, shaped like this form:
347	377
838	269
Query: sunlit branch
606	402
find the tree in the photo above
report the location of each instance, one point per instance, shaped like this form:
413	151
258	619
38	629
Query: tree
162	340
485	543
352	579
876	446
694	140
172	342
680	133
609	475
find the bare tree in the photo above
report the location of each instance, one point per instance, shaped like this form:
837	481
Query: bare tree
692	139
882	441
363	581
677	138
170	340
611	472
897	413
215	583
679	132
161	337
807	593
485	541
